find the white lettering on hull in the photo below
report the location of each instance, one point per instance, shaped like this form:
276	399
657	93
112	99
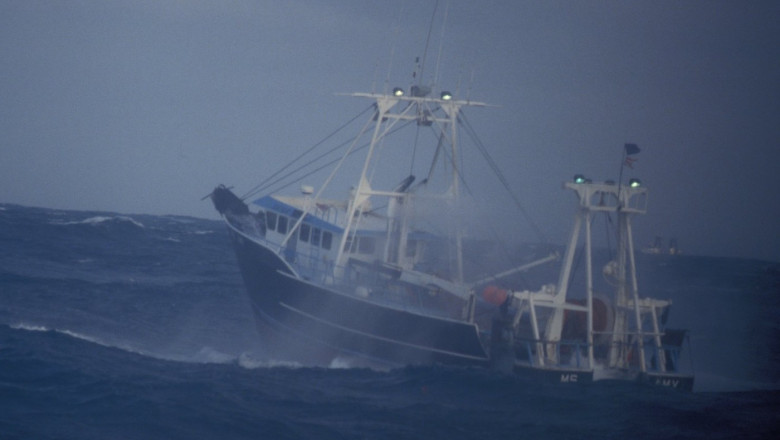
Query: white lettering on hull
568	377
671	383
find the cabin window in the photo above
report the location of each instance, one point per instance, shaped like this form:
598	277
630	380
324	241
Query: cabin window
270	218
304	232
282	225
327	240
366	245
260	222
316	233
411	248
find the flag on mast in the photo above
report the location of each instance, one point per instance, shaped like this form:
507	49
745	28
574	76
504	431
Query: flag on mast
631	149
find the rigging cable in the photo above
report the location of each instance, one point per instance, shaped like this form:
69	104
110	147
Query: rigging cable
427	41
257	188
501	178
324	165
607	224
441	44
303	166
420	81
397	31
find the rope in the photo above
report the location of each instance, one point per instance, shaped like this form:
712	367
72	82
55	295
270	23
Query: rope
494	167
324	165
427	41
257	188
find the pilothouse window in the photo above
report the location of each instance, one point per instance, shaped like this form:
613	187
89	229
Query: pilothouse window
282	225
304	232
327	240
411	248
270	218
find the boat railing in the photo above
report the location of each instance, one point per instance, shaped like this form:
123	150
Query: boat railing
569	353
666	359
574	354
658	359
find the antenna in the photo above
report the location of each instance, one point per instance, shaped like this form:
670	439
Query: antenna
427	42
471	82
376	73
441	44
392	49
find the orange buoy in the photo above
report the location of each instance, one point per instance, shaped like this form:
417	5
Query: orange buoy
494	295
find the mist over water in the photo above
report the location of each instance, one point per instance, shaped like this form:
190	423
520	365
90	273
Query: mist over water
138	327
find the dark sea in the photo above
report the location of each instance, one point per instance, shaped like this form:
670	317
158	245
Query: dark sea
138	327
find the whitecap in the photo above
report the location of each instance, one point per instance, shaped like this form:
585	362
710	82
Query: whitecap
208	355
75	335
99	219
246	360
29	327
82	337
95	220
131	220
341	363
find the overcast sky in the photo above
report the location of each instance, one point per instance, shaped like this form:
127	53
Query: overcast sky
144	106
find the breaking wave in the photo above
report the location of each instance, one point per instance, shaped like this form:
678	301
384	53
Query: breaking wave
100	219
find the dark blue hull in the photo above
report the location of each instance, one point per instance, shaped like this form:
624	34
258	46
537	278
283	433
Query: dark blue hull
323	321
669	380
554	375
573	375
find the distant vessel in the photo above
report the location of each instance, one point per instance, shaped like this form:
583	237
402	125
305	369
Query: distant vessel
364	276
658	247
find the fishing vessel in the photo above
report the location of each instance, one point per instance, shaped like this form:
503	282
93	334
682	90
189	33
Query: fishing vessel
614	335
380	274
657	248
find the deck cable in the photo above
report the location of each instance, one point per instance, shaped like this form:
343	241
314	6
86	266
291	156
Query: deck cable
321	167
494	167
260	186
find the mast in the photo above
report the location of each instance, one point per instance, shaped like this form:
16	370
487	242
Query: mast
426	111
635	290
451	109
555	323
625	201
363	191
589	287
617	353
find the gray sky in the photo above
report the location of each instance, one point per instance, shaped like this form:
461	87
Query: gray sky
143	106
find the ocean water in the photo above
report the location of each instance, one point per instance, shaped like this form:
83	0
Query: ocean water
137	327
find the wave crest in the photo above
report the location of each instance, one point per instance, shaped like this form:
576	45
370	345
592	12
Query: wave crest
101	219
